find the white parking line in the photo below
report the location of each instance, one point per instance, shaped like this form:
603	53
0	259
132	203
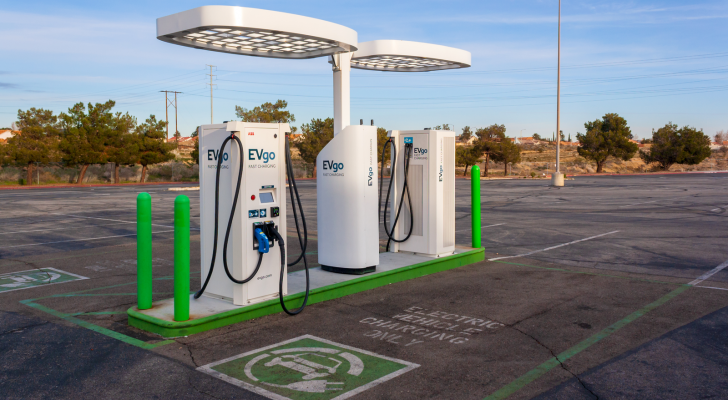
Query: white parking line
78	240
711	287
58	229
107	219
553	247
483	227
709	274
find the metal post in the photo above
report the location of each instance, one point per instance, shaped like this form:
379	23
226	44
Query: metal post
144	251
475	204
558	97
557	179
342	91
181	258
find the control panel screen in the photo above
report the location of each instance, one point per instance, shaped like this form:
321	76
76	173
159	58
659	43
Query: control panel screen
266	197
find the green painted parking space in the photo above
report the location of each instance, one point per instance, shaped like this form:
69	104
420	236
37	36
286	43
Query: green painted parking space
35	277
308	367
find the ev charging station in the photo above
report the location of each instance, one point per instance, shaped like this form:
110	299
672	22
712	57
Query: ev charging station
243	185
422	206
261	203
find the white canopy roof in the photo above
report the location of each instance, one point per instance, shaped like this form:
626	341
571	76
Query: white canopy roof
255	32
404	56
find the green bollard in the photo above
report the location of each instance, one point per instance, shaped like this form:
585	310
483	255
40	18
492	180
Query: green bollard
144	251
181	258
475	204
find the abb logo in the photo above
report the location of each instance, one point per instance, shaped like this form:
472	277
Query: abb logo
251	133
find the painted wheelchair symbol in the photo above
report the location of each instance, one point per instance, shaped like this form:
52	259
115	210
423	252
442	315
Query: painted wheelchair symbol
299	360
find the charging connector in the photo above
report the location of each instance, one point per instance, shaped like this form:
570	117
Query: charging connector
261	239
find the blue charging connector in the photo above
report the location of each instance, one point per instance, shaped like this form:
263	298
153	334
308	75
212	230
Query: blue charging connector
263	244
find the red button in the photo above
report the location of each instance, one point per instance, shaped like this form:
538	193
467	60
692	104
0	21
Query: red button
252	197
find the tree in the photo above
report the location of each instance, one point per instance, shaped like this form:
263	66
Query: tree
381	139
153	149
36	142
604	138
443	127
569	138
536	136
563	137
314	137
509	153
466	135
122	148
488	143
721	137
671	145
467	156
267	112
86	131
195	154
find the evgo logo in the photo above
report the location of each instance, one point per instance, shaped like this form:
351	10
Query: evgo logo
333	165
212	155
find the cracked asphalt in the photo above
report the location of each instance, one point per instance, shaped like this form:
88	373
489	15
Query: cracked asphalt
594	290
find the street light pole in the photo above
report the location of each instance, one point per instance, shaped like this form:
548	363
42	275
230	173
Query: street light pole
557	179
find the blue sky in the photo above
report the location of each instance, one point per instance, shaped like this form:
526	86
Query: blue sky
650	61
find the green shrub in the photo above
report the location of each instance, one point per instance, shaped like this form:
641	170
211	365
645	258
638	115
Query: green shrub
533	174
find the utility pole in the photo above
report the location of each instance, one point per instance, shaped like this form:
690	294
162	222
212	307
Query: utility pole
557	179
211	85
168	103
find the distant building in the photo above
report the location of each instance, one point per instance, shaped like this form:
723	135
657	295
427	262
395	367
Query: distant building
6	134
470	140
185	146
527	140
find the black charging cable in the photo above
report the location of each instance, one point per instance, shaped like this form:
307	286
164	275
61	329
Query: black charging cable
303	242
230	220
405	190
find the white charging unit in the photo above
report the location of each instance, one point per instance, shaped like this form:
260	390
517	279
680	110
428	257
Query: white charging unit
261	199
346	183
431	184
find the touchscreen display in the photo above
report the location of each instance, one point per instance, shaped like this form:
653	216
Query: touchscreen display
266	197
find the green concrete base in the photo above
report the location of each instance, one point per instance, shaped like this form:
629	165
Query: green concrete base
167	328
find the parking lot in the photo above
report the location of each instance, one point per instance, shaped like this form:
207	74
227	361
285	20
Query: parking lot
594	290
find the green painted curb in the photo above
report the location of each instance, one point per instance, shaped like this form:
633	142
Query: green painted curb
364	283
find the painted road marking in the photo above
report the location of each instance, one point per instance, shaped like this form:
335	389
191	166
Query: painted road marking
709	274
35	277
417	325
59	229
553	362
307	366
553	247
79	240
487	226
711	287
118	220
107	219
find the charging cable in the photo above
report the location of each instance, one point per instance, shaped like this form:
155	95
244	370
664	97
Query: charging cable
405	190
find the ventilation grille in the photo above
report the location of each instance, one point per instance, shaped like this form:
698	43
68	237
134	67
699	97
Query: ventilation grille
414	185
448	192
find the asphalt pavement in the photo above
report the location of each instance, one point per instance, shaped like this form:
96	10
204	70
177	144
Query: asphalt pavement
610	287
